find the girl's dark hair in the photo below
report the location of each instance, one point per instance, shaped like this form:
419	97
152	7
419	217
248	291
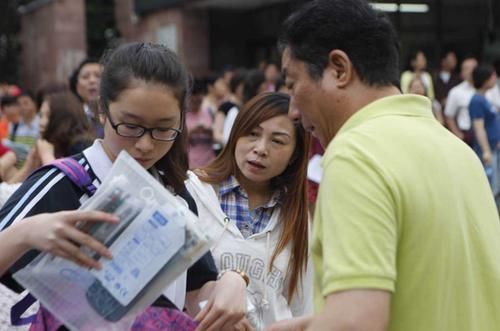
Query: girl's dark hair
294	213
253	80
151	63
412	57
73	79
67	125
237	79
481	74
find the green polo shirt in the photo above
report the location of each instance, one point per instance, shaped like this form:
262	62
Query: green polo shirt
404	206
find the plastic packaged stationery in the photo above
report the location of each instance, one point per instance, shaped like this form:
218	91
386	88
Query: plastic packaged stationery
156	240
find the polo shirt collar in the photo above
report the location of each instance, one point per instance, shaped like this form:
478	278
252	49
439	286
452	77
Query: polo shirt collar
395	105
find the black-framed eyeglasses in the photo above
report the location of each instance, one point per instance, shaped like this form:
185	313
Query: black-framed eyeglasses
129	130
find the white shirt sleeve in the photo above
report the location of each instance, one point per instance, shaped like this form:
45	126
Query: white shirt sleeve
451	108
228	123
493	96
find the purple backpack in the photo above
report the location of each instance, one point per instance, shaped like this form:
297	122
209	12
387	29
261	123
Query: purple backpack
152	319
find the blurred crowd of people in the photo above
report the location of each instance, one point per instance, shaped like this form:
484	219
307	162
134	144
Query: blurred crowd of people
62	118
466	101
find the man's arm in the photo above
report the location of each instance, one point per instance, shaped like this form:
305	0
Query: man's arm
482	139
354	310
452	125
450	112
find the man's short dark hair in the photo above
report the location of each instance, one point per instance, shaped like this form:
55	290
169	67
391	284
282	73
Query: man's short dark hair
481	74
352	26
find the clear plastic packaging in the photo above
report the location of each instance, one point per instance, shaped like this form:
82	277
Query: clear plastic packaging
156	240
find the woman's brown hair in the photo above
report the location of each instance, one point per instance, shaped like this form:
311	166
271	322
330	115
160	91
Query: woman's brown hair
67	125
292	182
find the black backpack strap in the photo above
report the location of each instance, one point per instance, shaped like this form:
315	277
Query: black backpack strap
190	201
203	270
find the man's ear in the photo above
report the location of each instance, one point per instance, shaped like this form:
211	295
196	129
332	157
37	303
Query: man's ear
341	67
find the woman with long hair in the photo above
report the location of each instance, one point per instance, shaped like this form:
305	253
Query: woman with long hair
64	128
254	196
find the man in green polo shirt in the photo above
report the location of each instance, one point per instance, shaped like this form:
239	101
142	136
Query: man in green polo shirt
406	231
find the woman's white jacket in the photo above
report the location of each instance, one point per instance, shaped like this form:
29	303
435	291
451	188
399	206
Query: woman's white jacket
267	304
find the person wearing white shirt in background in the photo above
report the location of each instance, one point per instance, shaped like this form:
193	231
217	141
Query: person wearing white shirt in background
493	94
456	111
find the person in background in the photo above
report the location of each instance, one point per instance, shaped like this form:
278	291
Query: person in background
84	83
416	68
272	74
64	131
417	86
405	231
50	88
485	123
23	127
227	74
446	78
28	130
456	111
216	92
493	94
254	84
230	106
10	113
199	126
64	128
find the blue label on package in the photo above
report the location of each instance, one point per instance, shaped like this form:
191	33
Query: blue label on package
145	246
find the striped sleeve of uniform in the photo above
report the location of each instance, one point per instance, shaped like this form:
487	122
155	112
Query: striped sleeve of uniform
47	190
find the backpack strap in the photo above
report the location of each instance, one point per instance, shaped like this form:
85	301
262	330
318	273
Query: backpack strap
19	308
80	177
75	172
190	201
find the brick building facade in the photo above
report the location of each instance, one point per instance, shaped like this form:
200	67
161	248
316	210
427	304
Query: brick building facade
210	34
53	41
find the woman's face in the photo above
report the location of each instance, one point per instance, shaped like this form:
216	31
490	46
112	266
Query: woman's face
149	105
420	61
44	116
266	151
88	82
417	87
220	88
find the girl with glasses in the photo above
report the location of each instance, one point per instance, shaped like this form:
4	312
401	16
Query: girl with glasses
143	94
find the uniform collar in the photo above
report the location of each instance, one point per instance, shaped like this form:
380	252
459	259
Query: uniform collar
98	159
